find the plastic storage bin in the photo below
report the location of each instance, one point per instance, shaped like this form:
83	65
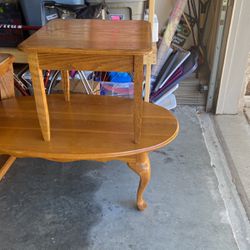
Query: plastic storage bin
32	9
125	90
128	9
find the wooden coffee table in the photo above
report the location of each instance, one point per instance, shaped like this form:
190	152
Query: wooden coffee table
81	127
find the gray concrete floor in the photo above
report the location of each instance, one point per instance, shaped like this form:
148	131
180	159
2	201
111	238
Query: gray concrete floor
90	205
234	131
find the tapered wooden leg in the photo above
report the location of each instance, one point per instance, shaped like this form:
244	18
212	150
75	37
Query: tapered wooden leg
66	84
6	166
141	166
148	81
138	102
7	81
40	96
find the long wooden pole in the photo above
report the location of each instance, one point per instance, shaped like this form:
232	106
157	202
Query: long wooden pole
149	65
151	12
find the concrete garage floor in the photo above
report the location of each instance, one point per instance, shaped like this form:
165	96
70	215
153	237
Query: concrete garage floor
90	205
234	131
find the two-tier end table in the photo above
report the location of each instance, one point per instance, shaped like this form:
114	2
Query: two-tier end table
80	127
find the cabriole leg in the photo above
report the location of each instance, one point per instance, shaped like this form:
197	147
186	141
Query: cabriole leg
141	166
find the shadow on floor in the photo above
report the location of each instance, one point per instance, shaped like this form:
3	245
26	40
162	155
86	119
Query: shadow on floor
47	205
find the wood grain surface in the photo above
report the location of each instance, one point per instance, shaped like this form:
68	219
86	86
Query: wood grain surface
40	96
87	127
66	84
138	102
92	37
6	166
19	56
6	76
6	91
69	61
142	168
6	61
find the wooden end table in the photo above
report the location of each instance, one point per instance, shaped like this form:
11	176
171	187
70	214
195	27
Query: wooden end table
94	45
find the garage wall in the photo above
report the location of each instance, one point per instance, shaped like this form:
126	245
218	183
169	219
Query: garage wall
162	10
248	76
233	79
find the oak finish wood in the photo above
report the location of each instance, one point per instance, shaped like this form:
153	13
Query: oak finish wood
6	76
19	56
6	61
40	96
91	37
138	102
6	91
69	61
7	85
149	60
4	169
141	167
151	57
66	84
87	127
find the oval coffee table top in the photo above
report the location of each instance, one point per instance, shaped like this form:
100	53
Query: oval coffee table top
88	127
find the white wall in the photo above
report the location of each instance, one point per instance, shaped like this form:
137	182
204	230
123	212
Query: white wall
233	80
162	10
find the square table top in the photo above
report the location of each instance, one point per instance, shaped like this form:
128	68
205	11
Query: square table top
91	37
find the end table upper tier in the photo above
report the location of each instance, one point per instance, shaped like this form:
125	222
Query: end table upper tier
92	37
95	45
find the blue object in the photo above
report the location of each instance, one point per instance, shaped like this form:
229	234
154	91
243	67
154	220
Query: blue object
120	77
117	89
32	9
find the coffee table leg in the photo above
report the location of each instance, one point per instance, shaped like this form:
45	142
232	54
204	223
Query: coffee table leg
141	166
138	102
4	169
66	84
40	96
